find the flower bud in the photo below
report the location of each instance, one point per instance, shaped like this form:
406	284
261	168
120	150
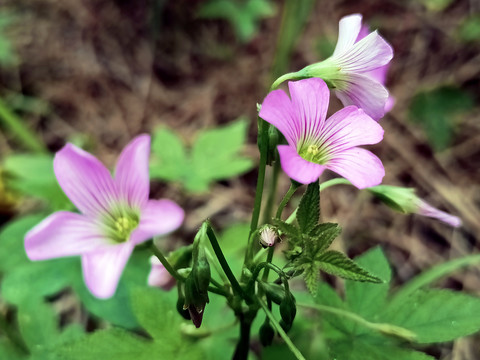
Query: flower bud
274	292
288	310
268	236
196	284
266	333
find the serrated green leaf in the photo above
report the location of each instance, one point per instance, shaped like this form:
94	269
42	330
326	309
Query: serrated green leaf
311	275
286	228
308	212
324	234
336	263
169	159
364	298
436	315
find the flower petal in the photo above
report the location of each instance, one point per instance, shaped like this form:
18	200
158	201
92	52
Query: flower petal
310	99
350	127
348	31
85	180
426	209
131	173
64	234
102	269
277	109
361	167
365	93
159	276
296	167
158	217
368	54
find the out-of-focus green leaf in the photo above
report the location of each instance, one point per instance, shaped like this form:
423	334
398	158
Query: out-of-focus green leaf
435	111
436	5
243	16
156	313
12	251
469	30
7	53
214	156
32	175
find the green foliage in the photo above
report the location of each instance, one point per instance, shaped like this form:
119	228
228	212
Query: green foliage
213	156
436	5
155	312
336	263
469	30
376	324
32	175
308	212
435	111
243	16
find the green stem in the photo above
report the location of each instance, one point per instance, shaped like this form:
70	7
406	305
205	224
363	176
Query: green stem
243	345
156	251
272	190
280	331
18	128
290	76
332	182
269	261
16	340
218	291
223	263
215	265
286	199
387	329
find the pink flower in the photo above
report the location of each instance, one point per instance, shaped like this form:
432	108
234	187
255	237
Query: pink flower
406	201
115	214
378	74
316	144
159	276
349	70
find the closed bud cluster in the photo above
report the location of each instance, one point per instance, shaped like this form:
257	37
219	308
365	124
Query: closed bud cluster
288	310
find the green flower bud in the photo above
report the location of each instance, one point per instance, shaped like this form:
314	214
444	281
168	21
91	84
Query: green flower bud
288	309
266	333
274	292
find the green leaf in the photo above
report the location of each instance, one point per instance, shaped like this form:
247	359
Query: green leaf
308	212
336	263
12	235
169	159
32	175
9	351
436	5
364	298
214	156
469	30
36	280
436	110
436	315
286	228
324	234
373	348
38	324
242	16
311	275
155	311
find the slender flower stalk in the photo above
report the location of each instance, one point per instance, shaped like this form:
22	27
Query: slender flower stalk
159	275
115	214
316	143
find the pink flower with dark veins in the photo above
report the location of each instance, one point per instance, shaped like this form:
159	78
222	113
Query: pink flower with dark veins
115	214
316	143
